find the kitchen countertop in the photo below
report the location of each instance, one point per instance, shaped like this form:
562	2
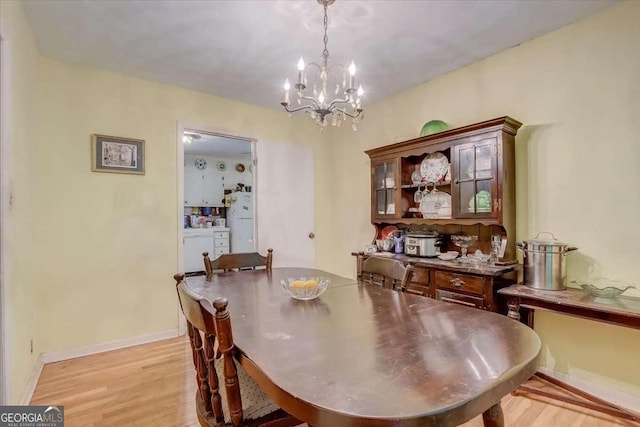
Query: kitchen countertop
483	269
204	231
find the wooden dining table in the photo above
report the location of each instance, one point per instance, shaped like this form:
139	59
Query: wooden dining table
363	355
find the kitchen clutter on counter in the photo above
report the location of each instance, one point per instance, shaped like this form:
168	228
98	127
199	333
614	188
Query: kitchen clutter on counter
431	244
204	217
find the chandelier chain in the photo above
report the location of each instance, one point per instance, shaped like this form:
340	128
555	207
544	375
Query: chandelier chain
325	52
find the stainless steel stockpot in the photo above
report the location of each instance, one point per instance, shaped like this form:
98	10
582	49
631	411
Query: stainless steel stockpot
545	264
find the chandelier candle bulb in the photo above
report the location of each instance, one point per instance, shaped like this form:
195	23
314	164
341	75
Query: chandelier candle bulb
352	74
287	86
300	74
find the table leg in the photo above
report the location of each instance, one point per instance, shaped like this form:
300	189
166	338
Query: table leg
493	416
514	308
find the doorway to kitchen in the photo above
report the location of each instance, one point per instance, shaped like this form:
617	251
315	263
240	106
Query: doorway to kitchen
218	191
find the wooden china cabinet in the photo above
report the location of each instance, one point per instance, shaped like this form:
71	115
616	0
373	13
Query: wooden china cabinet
481	183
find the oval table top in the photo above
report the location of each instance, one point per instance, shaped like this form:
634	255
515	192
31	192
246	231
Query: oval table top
364	355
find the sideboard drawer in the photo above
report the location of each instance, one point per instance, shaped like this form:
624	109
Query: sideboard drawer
461	299
418	289
420	276
459	282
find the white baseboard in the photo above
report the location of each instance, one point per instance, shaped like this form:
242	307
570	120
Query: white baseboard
617	397
33	381
58	356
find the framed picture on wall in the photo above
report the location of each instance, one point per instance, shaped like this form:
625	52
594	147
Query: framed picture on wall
116	154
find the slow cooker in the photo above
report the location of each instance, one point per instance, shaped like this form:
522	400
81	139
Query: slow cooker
422	244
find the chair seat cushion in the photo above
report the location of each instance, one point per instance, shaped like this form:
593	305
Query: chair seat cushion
255	403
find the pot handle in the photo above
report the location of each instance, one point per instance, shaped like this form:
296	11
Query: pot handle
569	250
520	247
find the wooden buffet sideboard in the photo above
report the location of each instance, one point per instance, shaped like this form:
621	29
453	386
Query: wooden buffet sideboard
482	162
464	284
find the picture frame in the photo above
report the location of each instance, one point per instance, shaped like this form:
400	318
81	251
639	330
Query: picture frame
116	154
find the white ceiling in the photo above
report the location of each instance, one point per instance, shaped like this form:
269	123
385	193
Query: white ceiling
244	50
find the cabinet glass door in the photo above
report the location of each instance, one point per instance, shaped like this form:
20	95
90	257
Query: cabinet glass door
476	179
384	184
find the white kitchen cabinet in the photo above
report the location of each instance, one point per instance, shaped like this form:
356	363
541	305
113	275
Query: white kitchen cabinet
195	243
202	187
213	190
220	242
192	186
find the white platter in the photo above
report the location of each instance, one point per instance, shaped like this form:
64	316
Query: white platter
434	167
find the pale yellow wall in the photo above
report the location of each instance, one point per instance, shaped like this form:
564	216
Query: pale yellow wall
100	269
108	245
19	59
576	90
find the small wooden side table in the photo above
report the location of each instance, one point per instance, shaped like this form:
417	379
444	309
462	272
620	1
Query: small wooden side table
620	311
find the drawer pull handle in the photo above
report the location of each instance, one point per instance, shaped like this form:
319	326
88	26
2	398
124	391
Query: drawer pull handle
457	282
455	301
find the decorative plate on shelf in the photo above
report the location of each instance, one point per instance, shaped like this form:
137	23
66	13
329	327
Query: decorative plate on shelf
435	204
221	165
434	167
484	202
434	126
240	167
200	163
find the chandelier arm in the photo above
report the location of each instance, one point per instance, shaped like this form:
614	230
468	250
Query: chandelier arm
318	66
337	65
293	110
338	101
353	116
315	102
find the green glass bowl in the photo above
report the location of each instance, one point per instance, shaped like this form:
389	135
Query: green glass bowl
606	292
433	126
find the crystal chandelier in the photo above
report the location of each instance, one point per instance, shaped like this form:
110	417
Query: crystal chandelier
317	104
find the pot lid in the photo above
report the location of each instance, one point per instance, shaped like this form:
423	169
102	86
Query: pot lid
538	244
552	241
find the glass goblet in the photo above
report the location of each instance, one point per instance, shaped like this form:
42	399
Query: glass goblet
464	242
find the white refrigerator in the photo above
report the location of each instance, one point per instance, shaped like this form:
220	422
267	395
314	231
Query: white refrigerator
240	222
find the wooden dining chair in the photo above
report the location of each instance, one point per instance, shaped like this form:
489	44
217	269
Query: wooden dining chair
237	261
385	272
233	399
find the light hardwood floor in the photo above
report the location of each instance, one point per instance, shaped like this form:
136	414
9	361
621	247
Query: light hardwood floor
154	384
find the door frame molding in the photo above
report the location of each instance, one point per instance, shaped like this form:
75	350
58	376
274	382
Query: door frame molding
5	378
218	131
